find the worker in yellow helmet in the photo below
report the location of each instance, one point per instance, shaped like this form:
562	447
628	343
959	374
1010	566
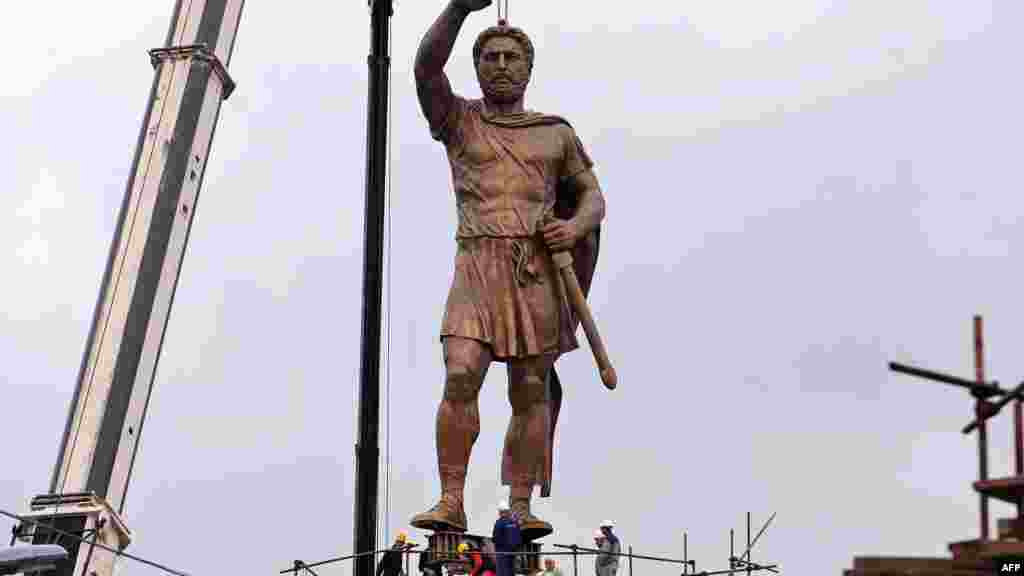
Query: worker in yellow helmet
481	564
391	563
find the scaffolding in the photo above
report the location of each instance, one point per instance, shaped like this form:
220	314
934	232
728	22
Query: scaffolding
737	564
981	555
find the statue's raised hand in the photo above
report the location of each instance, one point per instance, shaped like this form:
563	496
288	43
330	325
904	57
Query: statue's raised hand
472	5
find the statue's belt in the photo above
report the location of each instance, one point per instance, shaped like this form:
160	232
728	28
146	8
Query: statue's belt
524	248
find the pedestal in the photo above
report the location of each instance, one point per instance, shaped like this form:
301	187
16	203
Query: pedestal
443	550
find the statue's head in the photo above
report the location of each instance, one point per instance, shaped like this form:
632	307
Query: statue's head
503	56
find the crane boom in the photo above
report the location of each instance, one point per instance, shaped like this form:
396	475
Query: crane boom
101	438
364	525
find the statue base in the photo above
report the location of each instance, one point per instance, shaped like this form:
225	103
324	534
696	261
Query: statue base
535	532
442	549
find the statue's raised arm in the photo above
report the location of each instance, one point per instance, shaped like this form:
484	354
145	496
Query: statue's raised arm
432	86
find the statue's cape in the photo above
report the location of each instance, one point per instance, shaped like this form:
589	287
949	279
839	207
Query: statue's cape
584	257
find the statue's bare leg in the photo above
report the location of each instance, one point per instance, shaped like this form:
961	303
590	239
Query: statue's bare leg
458	425
527	437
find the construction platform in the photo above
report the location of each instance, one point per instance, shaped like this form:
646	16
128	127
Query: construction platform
976	557
982	556
883	566
1009	489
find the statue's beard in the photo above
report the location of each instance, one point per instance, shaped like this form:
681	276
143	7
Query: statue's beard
505	92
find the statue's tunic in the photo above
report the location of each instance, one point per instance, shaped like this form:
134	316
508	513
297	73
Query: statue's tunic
506	171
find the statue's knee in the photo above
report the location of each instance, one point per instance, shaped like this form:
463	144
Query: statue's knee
462	383
531	390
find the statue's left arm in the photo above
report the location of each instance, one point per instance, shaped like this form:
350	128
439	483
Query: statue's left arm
590	210
563	234
590	206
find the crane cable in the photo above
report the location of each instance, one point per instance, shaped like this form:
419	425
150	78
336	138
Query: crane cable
93	542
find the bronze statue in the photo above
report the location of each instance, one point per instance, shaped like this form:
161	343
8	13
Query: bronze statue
524	189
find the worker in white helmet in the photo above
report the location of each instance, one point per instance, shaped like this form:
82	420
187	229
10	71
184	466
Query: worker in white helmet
507	539
607	563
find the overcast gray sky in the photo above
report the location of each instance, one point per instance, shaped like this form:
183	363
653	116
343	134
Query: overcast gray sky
798	192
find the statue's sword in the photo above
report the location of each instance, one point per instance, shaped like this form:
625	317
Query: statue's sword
563	261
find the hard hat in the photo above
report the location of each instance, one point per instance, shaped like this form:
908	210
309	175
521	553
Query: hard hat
598	534
463	547
503	505
607	524
402	537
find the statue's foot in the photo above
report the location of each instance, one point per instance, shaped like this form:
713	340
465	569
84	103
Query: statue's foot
530	526
446	515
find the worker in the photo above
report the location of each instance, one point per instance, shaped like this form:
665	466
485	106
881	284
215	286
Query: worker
507	539
551	568
608	560
391	563
606	528
427	569
480	564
